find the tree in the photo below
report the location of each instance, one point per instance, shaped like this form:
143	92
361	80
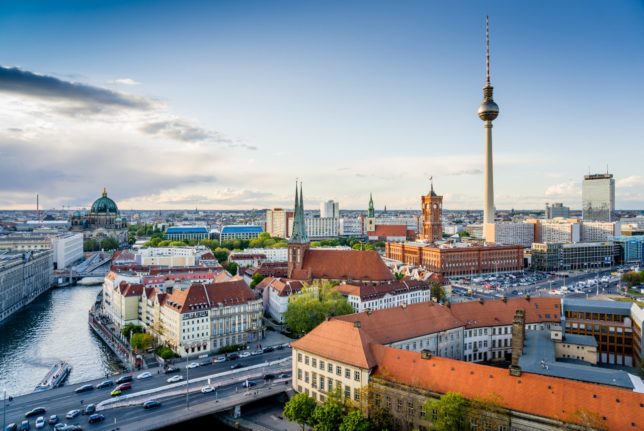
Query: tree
632	278
489	412
313	305
451	412
141	341
589	421
91	245
437	291
109	244
299	409
131	328
231	268
328	415
221	254
355	421
382	419
256	279
177	244
399	275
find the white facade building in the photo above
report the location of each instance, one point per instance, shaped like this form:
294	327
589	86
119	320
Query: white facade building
599	231
386	295
68	249
559	231
510	233
272	254
351	227
329	209
319	227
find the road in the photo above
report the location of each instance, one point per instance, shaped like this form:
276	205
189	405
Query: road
59	401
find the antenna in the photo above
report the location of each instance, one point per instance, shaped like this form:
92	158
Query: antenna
487	49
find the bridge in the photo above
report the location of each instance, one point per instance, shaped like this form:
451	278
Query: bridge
180	401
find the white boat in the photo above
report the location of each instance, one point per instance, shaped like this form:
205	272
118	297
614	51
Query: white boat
55	377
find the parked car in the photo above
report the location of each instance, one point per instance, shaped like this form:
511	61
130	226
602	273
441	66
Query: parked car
145	375
24	426
268	349
207	389
233	357
124	379
116	393
244	354
192	365
171	370
219	359
96	418
104	384
282	376
71	428
249	384
90	409
84	388
59	426
124	386
175	379
269	376
236	366
35	412
53	420
257	352
151	404
72	414
11	427
40	423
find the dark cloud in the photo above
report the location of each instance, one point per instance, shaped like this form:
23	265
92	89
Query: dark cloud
23	82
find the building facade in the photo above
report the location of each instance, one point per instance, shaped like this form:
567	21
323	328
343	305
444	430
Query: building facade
326	227
594	231
329	209
557	209
598	197
510	233
181	233
583	255
278	222
432	209
631	248
364	297
240	232
351	227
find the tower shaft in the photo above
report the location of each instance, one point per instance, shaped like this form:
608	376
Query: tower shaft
488	204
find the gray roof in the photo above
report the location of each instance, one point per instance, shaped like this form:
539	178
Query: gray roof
590	306
582	340
539	358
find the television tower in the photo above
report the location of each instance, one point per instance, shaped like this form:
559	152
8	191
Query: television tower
488	111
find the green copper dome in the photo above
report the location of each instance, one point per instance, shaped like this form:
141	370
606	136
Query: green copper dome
104	205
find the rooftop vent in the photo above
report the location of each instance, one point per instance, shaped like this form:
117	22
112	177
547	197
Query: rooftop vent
357	324
425	354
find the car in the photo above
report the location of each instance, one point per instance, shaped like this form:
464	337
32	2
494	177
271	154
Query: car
192	365
249	384
96	418
207	389
72	414
175	379
124	386
235	366
171	370
124	379
11	427
145	375
244	354
40	423
116	393
268	349
279	347
104	384
59	426
233	357
53	420
219	359
89	409
269	376
84	388
151	404
24	426
257	352
35	412
71	428
282	376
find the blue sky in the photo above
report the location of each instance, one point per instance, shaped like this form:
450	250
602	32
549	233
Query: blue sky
223	104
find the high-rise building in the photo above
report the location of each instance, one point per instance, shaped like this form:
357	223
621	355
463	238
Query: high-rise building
557	209
329	209
277	222
598	197
432	207
488	111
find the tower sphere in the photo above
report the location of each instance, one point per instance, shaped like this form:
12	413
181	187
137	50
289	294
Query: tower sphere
488	110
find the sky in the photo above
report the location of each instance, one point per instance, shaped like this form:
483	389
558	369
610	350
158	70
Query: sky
223	104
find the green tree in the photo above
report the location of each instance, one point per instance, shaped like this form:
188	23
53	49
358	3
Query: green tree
355	421
399	275
451	412
109	244
163	243
221	254
256	279
91	245
328	415
231	268
315	244
131	328
141	341
464	234
437	291
299	409
632	278
381	419
177	244
313	305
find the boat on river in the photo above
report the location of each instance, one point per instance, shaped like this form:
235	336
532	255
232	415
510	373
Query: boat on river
55	377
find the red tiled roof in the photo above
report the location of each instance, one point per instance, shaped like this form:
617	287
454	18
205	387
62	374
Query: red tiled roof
130	289
399	230
493	313
368	292
340	340
283	286
534	394
207	296
343	265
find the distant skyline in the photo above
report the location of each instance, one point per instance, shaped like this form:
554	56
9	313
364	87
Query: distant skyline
222	104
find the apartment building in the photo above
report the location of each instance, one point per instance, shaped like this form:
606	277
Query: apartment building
368	296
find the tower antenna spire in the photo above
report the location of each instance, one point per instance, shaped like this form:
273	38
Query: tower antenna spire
487	50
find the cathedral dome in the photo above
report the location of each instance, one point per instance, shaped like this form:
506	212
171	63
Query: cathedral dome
104	205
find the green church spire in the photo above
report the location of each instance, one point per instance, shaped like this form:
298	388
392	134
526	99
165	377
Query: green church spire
371	212
299	235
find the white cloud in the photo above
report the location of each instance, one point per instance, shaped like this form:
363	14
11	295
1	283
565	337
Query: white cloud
125	81
631	181
567	190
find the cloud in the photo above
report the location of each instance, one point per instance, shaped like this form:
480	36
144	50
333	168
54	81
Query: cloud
568	189
125	81
465	172
91	98
631	181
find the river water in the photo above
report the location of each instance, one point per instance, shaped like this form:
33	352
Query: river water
53	327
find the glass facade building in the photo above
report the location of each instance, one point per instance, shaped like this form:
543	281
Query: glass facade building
598	197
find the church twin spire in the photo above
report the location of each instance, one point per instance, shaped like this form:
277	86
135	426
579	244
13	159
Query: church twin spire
299	235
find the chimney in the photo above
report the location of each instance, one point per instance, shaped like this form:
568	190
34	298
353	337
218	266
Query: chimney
518	337
481	300
369	311
505	298
357	324
425	354
168	289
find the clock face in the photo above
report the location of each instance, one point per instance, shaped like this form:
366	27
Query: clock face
435	206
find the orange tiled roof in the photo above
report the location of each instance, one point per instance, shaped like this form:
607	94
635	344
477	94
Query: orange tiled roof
207	296
340	340
374	291
401	323
283	286
343	265
534	394
493	313
399	230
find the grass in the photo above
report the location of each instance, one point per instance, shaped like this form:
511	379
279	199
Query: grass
622	299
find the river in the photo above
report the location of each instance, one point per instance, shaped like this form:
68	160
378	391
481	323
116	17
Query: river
53	327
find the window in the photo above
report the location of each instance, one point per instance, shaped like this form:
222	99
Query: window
356	376
338	370
299	357
299	374
306	377
347	373
347	392
330	367
356	394
314	363
399	405
314	380
321	383
322	365
306	360
330	385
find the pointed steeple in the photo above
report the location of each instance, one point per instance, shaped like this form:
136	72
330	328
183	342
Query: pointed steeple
299	235
104	192
372	211
431	189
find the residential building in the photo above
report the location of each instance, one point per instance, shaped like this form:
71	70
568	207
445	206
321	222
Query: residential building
461	259
583	255
557	230
364	297
326	227
351	227
510	233
181	233
475	230
452	229
557	209
432	209
277	222
598	197
271	254
276	293
23	277
170	256
330	209
595	231
240	232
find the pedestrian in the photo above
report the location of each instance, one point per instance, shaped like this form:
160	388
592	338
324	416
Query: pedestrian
81	402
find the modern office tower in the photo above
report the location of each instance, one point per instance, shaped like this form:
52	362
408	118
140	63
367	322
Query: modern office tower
557	209
329	209
598	197
488	111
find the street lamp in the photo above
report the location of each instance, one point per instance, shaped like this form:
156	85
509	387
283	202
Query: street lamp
187	381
